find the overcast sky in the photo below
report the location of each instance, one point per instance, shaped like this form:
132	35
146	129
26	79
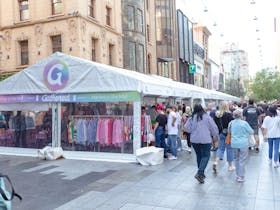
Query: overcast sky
238	21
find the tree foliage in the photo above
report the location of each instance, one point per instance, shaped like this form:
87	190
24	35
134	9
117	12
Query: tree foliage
266	85
5	75
234	87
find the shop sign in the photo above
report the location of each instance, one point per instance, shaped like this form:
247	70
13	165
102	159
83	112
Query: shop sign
71	98
192	68
56	75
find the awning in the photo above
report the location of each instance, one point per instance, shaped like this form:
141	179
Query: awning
165	59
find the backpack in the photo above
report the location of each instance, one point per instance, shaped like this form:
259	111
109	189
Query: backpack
5	196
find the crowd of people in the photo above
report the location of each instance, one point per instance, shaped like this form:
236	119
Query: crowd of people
205	129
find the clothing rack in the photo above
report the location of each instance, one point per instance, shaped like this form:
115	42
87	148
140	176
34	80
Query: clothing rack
98	116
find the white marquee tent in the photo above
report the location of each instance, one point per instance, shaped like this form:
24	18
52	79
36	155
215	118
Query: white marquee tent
63	78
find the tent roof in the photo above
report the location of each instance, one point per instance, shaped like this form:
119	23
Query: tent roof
85	76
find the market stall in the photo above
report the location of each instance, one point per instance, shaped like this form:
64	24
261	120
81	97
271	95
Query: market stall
91	110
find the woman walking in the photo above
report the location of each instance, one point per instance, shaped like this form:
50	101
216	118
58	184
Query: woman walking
201	127
222	118
271	132
240	131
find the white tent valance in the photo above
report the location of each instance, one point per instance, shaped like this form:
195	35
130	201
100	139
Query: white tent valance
61	74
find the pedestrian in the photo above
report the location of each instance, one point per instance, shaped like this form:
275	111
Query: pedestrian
20	129
211	109
161	122
187	135
202	128
252	114
271	133
222	119
172	129
240	131
179	121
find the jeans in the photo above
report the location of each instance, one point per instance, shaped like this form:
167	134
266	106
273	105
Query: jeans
179	143
21	135
222	147
160	138
172	143
202	152
240	157
273	142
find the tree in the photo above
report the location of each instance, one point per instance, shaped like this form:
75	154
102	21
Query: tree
234	87
266	85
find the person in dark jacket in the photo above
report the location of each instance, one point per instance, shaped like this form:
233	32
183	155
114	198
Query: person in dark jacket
20	129
222	119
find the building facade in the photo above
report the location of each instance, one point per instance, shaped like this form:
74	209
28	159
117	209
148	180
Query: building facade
201	36
151	55
166	38
134	40
31	30
236	65
185	47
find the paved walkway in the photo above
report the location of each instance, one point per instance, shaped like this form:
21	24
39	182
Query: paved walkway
87	185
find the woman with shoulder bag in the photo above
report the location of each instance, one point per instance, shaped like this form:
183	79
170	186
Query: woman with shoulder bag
240	131
222	120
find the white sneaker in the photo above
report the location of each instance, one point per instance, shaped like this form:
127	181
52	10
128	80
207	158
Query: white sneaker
276	164
240	179
179	149
269	161
189	149
231	168
172	158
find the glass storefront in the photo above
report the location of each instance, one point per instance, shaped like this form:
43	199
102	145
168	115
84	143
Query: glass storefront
92	127
97	127
26	129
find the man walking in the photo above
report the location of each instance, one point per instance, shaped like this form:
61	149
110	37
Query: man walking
172	129
251	114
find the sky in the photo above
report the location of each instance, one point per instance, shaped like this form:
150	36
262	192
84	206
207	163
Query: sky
249	25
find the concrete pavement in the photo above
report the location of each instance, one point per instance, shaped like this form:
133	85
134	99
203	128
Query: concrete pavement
87	185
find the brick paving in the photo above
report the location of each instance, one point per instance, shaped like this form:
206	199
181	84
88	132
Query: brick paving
86	185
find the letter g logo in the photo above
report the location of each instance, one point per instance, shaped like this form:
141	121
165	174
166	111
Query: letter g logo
56	75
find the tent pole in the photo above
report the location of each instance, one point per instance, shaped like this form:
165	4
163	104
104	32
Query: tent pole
54	124
58	143
136	126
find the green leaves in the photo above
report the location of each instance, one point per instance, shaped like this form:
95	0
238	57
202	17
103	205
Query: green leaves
266	85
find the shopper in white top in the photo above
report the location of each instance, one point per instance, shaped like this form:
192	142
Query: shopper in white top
179	120
271	133
172	129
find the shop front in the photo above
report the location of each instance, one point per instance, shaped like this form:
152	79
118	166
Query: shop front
76	104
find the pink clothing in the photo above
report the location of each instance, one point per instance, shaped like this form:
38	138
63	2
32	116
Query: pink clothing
117	133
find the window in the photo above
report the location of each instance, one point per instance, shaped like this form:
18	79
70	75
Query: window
130	18
139	26
23	52
56	43
149	60
91	8
140	58
131	51
108	16
94	42
148	33
56	7
111	54
24	9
